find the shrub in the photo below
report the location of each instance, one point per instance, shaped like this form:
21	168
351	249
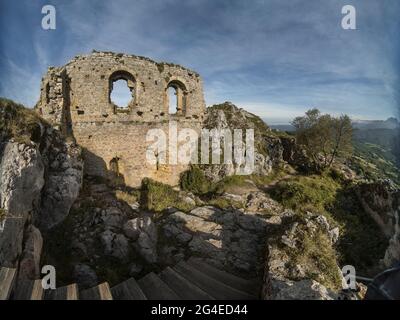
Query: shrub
195	181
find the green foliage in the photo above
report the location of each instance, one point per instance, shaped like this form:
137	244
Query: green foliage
324	135
18	122
194	181
156	196
307	193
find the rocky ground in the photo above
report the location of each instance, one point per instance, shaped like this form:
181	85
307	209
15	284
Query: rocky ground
113	237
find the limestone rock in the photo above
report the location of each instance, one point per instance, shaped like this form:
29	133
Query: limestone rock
21	178
299	290
144	231
21	181
63	181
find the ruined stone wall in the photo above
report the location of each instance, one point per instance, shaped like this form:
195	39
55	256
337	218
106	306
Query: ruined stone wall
76	97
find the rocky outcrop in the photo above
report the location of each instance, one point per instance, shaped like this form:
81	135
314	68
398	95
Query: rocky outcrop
268	148
301	263
64	171
29	177
382	202
21	181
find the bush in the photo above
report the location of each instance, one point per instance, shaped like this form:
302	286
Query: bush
195	181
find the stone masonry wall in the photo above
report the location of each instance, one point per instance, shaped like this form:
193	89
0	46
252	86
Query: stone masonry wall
76	98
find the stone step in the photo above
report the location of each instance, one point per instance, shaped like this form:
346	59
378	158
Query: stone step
251	287
69	292
213	287
155	289
29	290
7	278
100	292
184	288
128	290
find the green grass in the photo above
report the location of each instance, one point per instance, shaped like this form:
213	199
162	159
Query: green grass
319	258
315	193
156	196
129	197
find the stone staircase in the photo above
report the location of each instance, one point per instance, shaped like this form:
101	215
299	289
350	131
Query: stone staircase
193	279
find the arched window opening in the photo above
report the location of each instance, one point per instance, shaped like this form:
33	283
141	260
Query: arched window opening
114	166
122	93
176	97
173	100
116	172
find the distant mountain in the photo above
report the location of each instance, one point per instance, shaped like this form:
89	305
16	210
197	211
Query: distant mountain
390	123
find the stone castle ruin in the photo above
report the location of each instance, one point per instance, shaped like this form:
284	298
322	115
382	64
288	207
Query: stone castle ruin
77	99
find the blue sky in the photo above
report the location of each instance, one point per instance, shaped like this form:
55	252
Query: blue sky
276	58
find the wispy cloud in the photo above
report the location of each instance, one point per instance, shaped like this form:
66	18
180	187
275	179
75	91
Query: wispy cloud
275	57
